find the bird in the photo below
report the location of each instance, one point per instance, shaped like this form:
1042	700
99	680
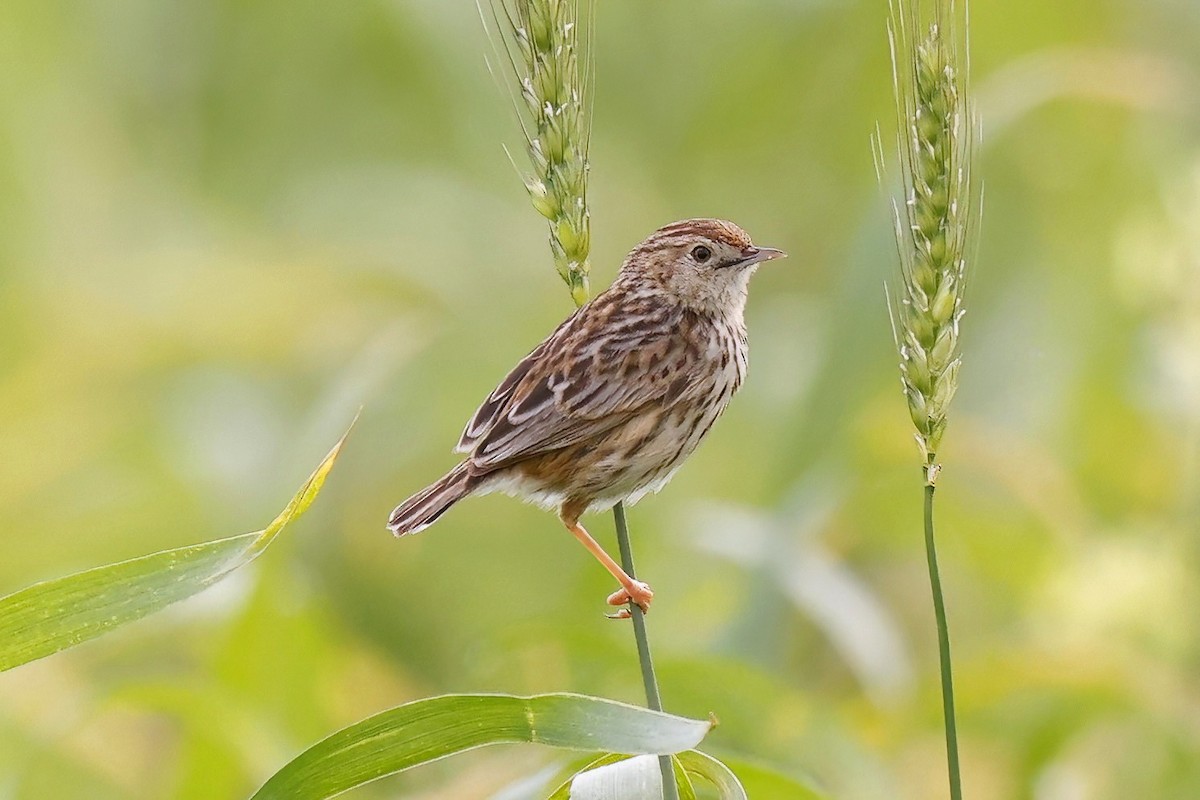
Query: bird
615	399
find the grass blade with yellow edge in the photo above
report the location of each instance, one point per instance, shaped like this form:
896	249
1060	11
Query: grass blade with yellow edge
47	617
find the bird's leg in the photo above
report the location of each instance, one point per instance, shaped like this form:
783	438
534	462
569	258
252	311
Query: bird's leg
631	591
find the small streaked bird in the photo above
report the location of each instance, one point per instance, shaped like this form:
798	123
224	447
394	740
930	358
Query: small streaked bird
608	407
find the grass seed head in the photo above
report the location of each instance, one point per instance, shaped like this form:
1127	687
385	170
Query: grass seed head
935	224
541	40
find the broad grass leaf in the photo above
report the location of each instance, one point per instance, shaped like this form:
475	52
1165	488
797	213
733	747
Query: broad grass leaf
427	730
53	615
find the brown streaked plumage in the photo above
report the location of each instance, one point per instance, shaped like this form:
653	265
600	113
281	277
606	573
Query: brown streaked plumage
619	395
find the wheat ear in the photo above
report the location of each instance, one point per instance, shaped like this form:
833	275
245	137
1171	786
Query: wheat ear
934	226
548	50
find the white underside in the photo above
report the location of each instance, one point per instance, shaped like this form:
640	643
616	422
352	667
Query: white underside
524	489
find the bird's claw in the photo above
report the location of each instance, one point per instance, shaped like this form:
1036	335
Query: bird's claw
637	593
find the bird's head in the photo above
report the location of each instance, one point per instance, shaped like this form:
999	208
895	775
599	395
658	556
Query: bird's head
703	263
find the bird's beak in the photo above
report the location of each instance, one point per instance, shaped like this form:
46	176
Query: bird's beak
755	255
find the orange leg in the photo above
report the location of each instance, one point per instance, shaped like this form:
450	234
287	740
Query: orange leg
631	591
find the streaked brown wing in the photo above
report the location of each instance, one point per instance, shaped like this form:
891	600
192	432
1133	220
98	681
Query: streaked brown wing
487	414
596	371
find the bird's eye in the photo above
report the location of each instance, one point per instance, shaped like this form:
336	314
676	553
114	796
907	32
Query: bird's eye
701	253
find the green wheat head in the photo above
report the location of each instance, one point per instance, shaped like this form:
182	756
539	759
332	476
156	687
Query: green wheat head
935	224
541	41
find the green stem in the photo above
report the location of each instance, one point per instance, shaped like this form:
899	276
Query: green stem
653	699
939	610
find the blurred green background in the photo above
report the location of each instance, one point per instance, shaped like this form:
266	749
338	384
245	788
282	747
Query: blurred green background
226	225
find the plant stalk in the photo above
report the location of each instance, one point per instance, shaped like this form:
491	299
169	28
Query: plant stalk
653	699
939	610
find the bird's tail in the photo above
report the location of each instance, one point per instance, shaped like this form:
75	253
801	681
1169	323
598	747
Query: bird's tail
423	509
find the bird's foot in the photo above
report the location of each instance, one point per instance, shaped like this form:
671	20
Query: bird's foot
636	592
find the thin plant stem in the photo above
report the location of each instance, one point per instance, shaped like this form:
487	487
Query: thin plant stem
653	698
943	630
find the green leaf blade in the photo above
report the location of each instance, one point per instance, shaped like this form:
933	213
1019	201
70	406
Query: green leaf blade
43	619
51	616
430	729
560	720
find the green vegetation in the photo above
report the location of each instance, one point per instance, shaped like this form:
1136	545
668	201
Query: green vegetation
228	227
51	616
934	225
